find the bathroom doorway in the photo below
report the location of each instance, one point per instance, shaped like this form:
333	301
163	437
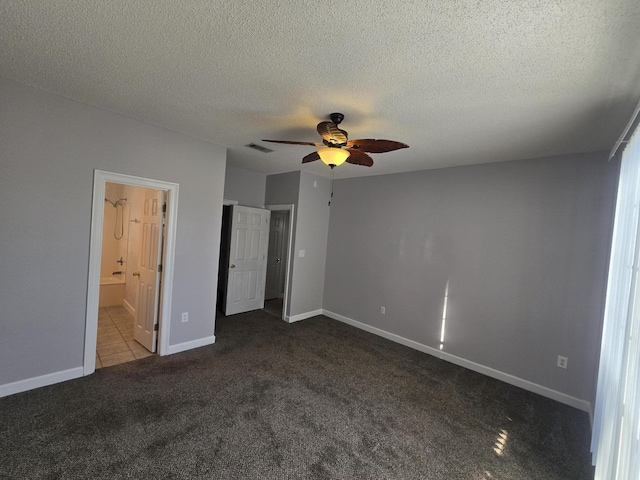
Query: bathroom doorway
144	213
132	234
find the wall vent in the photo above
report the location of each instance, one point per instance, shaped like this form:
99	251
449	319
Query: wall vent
260	148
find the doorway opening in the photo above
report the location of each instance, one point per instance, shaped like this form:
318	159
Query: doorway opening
276	262
243	258
277	285
132	240
243	286
144	212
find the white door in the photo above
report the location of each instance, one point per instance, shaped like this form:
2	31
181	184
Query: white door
247	259
145	331
275	259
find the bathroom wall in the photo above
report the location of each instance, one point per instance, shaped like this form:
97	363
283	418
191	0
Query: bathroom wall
113	226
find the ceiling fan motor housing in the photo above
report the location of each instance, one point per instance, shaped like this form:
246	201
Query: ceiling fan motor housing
336	118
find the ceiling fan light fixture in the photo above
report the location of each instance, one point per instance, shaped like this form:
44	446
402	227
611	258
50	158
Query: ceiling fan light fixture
335	138
333	156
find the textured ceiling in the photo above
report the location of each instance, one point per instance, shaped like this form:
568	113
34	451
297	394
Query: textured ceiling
461	82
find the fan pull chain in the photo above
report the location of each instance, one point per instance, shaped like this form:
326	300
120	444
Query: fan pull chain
332	176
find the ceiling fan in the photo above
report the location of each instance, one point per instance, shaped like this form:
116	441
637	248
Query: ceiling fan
337	148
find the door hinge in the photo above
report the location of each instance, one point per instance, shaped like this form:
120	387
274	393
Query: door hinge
159	268
164	208
155	327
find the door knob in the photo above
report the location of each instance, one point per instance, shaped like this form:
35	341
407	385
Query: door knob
136	274
277	259
232	266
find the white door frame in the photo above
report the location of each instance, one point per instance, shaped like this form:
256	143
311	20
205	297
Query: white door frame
100	179
285	301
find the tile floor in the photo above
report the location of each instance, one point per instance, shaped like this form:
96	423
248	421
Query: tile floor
115	338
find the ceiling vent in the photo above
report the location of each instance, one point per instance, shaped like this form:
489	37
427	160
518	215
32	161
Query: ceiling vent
259	148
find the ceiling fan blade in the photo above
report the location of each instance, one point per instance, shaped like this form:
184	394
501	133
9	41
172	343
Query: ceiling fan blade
375	146
331	133
312	157
294	143
359	158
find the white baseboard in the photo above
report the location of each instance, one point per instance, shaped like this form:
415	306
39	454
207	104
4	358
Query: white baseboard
303	316
57	377
128	307
183	347
41	381
476	367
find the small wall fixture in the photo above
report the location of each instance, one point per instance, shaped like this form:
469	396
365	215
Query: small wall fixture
333	156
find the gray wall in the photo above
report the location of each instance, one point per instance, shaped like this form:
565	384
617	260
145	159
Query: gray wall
523	246
282	189
310	195
49	148
244	186
312	226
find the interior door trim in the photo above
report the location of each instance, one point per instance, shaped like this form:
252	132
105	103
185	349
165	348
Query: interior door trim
100	178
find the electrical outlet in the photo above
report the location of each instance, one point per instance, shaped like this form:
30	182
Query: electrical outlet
562	361
185	317
383	310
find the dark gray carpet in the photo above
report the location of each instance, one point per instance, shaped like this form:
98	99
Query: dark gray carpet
314	399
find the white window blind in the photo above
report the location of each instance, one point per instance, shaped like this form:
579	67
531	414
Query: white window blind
616	432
